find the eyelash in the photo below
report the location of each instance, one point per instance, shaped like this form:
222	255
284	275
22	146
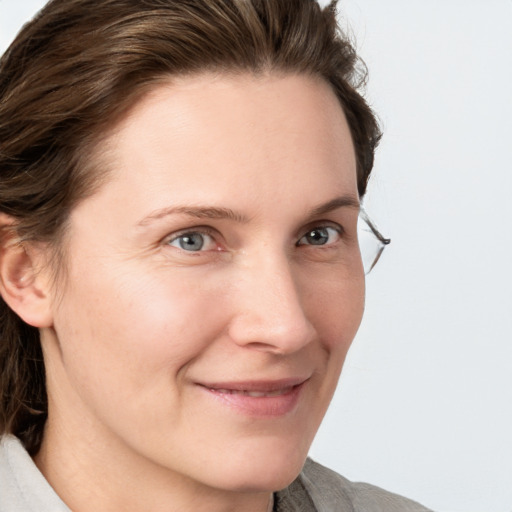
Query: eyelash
206	232
338	230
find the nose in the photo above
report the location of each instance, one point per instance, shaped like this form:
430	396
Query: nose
269	307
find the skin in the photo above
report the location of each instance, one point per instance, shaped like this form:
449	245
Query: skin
140	327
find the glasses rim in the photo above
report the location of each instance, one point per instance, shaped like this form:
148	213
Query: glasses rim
380	237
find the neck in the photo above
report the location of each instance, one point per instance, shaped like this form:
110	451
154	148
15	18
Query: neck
88	478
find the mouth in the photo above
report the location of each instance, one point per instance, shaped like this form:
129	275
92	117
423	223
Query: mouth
253	394
258	398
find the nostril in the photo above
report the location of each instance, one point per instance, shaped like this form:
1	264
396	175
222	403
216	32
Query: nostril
258	345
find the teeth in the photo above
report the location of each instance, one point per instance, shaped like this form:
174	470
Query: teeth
258	394
254	394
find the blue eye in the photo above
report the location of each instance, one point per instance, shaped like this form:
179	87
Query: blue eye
192	241
320	236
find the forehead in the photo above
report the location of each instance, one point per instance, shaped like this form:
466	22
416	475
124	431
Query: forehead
253	135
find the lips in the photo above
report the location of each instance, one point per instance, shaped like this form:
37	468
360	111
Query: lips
257	398
254	394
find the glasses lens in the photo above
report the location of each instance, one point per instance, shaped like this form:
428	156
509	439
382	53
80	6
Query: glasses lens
371	242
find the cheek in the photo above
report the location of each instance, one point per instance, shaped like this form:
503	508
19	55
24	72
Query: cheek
336	309
129	330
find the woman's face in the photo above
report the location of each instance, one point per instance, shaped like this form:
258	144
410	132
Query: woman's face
213	283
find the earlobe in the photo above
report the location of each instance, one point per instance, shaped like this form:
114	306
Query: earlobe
23	285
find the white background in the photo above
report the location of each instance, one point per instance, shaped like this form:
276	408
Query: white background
424	407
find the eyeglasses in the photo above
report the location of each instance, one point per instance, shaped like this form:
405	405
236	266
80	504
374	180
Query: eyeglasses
371	242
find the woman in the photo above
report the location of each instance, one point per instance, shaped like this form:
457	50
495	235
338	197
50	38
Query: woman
180	268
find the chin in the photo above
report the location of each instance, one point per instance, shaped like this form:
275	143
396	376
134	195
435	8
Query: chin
278	477
260	472
268	479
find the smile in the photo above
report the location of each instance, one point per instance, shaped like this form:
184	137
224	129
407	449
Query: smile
254	394
264	399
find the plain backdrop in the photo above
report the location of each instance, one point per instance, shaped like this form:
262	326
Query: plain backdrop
424	406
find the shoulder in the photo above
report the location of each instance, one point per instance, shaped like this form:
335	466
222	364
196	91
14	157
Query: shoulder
22	487
330	491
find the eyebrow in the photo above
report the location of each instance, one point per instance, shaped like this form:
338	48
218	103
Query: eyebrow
213	212
200	212
334	204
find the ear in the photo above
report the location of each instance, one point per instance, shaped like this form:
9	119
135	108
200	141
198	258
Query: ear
24	282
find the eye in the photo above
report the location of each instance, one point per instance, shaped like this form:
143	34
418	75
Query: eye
320	236
193	241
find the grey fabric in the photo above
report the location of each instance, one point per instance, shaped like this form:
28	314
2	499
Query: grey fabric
330	492
317	489
22	486
294	498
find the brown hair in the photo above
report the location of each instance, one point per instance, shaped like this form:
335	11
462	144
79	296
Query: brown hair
79	64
